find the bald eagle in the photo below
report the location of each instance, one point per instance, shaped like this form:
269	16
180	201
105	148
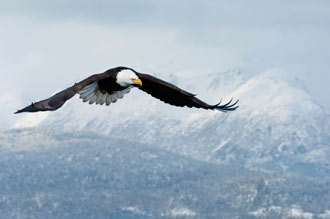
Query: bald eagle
113	84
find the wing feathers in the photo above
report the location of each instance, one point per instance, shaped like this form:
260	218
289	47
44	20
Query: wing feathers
57	100
50	104
92	94
108	100
174	95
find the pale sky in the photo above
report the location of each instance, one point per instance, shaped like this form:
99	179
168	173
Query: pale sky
47	45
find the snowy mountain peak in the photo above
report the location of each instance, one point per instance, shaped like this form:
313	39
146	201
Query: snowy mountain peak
227	80
275	93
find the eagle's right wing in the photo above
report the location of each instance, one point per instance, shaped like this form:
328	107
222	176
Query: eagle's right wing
171	94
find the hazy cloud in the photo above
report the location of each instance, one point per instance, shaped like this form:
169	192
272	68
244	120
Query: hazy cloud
186	13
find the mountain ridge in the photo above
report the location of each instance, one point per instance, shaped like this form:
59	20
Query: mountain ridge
278	126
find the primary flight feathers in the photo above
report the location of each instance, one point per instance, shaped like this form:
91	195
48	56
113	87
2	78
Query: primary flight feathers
113	84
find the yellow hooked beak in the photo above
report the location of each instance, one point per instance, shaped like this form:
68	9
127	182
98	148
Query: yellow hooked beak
137	81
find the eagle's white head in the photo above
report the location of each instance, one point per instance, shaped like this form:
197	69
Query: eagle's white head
127	77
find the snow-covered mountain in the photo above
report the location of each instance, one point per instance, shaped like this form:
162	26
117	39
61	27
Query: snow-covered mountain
278	126
140	158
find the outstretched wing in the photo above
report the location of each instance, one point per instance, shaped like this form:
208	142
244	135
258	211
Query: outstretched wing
173	95
57	100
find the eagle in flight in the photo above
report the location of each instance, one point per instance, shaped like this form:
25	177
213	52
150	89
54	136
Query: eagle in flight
113	84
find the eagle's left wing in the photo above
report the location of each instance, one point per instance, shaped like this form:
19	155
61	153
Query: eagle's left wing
57	100
174	95
52	103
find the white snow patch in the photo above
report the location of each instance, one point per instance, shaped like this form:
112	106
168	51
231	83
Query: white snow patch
319	155
30	120
299	213
325	215
259	212
294	212
177	212
148	155
133	209
38	198
8	103
221	145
